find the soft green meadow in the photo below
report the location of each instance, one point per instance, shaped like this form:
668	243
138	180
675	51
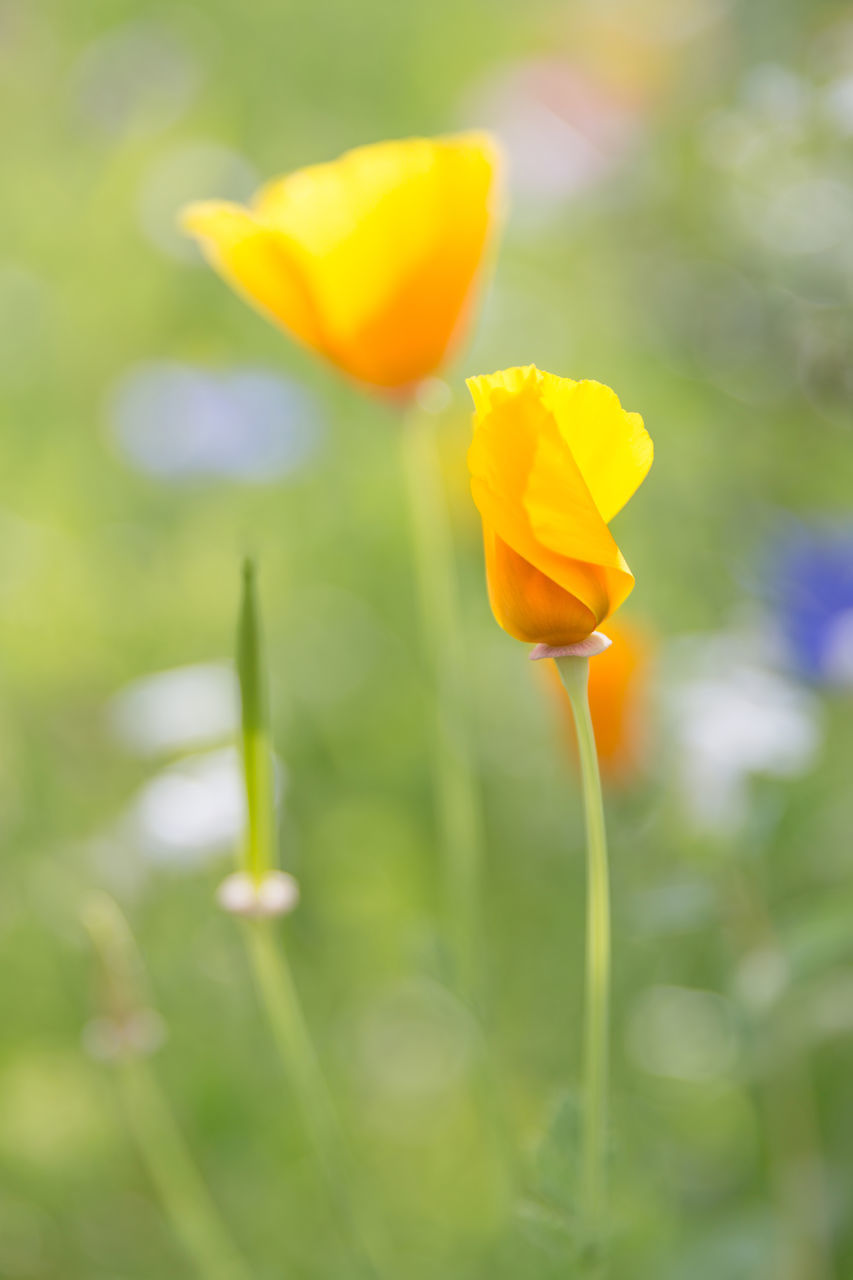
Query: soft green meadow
679	228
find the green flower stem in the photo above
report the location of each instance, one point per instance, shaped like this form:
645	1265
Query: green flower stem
183	1194
179	1185
273	975
295	1046
259	853
269	960
458	801
574	673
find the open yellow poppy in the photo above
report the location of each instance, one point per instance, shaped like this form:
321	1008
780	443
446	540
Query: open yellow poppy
369	260
552	461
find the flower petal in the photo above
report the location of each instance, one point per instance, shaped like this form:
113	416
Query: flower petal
527	603
611	447
391	237
531	494
260	263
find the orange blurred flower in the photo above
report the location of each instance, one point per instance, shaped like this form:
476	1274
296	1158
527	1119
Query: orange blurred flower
619	681
552	461
369	260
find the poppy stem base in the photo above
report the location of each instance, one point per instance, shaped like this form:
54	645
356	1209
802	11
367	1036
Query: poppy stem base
574	673
593	644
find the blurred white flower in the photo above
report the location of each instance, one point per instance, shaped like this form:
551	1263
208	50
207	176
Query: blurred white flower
180	422
733	719
242	894
177	710
190	812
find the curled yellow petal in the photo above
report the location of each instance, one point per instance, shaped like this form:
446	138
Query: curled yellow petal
611	447
377	252
550	462
259	262
527	603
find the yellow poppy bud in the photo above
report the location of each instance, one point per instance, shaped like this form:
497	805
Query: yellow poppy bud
551	462
369	260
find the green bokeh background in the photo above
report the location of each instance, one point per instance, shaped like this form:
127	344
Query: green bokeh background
107	574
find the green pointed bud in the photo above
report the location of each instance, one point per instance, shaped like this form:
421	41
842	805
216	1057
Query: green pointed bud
259	843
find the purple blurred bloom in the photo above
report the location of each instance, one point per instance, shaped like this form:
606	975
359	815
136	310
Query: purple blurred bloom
811	584
179	422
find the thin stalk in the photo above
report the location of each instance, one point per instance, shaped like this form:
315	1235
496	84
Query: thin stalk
259	852
293	1041
182	1192
269	959
457	797
179	1185
458	800
292	1038
273	975
574	673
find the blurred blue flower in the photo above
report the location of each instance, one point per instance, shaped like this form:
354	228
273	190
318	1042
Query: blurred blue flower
179	422
811	586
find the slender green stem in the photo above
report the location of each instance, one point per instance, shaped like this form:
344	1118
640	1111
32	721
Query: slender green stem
272	971
457	797
575	675
179	1185
296	1049
273	976
257	755
293	1041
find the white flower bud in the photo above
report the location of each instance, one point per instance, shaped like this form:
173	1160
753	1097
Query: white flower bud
275	895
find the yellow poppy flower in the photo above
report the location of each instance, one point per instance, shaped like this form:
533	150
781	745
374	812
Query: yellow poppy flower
551	462
369	260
